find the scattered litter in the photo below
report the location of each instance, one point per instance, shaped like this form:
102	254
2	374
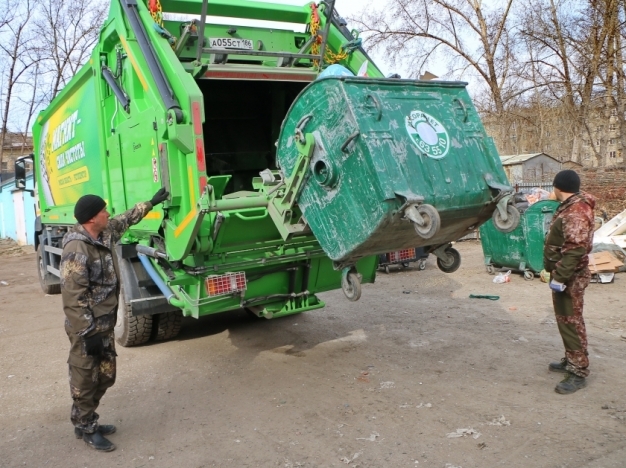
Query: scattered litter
347	460
544	276
484	296
11	376
501	421
512	308
464	432
548	321
4	283
387	385
623	337
602	278
482	445
427	405
406	292
520	339
503	277
450	465
372	438
363	377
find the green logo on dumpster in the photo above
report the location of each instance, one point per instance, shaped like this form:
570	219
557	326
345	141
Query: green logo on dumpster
428	134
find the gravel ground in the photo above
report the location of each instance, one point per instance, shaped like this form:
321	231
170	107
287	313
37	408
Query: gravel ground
414	374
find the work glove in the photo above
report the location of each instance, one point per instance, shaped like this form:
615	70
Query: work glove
160	196
557	286
94	345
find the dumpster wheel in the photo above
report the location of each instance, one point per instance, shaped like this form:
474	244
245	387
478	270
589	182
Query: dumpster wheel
351	285
421	265
431	221
490	269
529	275
451	263
512	220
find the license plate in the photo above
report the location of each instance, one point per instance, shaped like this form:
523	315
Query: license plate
230	43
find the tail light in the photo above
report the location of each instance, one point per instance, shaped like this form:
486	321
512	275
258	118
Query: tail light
228	283
401	255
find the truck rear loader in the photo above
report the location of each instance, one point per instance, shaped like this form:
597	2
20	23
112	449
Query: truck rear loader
283	184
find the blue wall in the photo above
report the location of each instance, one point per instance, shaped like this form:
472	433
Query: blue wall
7	211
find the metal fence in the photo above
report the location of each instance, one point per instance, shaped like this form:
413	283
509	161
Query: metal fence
523	186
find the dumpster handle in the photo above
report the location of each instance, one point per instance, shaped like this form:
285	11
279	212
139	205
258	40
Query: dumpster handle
303	121
344	147
463	108
376	105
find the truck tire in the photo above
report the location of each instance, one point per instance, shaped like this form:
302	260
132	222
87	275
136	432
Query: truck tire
44	276
129	330
166	325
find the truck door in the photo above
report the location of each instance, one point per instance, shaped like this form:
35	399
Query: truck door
137	168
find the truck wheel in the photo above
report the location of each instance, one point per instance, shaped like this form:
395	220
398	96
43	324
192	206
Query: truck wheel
44	275
129	330
451	263
511	222
167	325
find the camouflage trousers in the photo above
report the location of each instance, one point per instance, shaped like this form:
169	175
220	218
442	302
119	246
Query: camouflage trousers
89	377
568	308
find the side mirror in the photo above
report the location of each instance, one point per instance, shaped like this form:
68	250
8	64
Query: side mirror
20	172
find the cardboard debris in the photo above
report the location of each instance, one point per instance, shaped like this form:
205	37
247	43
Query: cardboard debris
603	262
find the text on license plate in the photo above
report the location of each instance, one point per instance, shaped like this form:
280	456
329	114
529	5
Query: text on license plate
230	43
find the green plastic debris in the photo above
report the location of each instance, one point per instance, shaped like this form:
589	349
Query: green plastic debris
484	296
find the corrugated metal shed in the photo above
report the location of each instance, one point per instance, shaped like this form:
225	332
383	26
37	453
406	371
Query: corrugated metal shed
530	167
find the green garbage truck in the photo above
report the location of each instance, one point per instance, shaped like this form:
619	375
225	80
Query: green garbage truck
283	182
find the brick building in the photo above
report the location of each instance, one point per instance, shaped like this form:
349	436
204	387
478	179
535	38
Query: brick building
15	145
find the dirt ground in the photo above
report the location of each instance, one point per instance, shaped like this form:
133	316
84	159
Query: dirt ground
383	382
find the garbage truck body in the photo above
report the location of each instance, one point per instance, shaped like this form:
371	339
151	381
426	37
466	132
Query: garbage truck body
282	185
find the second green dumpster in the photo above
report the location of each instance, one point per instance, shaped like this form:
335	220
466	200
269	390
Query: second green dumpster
522	248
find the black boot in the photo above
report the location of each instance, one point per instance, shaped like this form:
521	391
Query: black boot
104	429
559	366
97	442
570	384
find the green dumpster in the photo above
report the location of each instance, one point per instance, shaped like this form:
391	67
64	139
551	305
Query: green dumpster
522	248
396	164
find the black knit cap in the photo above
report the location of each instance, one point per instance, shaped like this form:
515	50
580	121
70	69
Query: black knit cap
87	207
567	181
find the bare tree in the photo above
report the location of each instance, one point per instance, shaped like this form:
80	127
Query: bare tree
569	44
68	31
475	38
13	47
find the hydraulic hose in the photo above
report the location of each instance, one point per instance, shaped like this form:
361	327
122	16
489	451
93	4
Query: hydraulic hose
164	288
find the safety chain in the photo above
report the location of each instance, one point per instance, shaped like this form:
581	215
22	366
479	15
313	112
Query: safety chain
329	56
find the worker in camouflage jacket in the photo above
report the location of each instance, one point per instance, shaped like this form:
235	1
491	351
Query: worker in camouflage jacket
90	288
566	257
